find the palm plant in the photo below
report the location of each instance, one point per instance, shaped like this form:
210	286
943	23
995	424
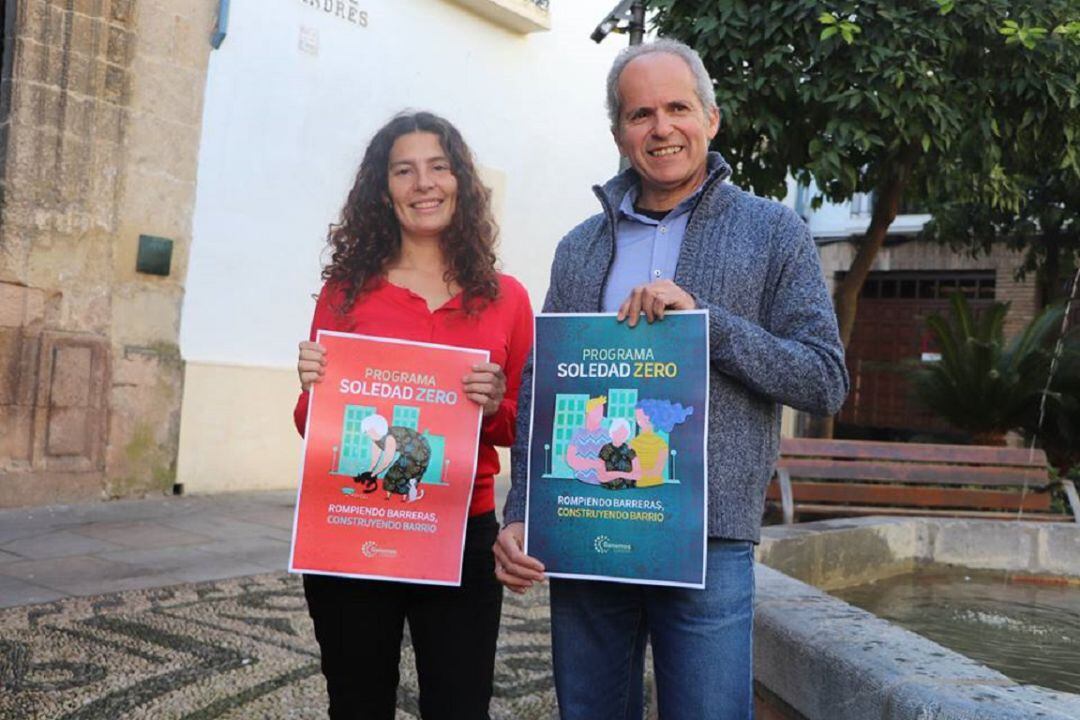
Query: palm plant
983	384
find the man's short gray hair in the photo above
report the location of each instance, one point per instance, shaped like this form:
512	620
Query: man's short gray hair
703	85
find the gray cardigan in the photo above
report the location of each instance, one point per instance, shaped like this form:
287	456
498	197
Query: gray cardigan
753	265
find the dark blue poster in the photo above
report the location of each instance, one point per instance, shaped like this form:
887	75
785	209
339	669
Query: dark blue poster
617	449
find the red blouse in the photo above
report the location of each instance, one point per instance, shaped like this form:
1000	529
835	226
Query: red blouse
503	327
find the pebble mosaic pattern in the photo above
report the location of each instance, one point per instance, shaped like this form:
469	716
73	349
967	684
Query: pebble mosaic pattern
232	649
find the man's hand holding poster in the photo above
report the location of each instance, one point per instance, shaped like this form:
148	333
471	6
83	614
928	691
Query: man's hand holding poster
617	449
389	462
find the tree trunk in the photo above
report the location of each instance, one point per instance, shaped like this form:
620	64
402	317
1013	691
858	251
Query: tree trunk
1051	288
887	198
886	203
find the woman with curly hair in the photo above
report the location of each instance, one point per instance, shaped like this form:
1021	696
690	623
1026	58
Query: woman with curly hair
650	447
413	258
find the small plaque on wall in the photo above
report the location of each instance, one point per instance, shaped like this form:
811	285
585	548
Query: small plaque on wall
154	256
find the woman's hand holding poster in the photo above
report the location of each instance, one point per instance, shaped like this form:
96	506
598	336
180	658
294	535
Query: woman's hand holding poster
389	462
617	448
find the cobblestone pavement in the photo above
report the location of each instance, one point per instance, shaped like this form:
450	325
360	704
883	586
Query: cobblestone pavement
179	607
231	649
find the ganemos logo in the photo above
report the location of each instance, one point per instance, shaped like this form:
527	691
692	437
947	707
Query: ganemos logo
371	549
603	545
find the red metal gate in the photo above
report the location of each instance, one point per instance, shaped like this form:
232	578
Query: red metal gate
890	338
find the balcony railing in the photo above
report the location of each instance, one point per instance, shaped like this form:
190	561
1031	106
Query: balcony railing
520	16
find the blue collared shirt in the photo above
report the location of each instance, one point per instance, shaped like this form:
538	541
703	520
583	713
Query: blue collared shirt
645	249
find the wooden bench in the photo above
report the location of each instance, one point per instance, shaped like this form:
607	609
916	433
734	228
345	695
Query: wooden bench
854	477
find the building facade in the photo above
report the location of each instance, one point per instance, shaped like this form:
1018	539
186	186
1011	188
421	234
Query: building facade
169	172
911	279
101	118
292	96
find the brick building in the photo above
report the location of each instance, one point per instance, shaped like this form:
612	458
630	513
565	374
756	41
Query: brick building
910	280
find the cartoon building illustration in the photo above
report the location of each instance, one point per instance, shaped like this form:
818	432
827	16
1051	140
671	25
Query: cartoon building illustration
569	416
354	456
406	416
620	404
435	470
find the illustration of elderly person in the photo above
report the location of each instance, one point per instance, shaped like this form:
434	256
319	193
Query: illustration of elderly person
622	469
583	452
651	448
401	452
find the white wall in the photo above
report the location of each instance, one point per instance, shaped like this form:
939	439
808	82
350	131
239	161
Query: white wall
283	131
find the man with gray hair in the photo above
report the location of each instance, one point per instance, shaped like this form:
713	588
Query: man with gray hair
674	235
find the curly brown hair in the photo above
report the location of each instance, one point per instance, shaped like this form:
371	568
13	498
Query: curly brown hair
368	237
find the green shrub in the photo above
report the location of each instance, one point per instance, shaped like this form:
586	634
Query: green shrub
983	384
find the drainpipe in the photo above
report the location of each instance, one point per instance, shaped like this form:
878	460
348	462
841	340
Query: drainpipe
800	200
222	25
637	22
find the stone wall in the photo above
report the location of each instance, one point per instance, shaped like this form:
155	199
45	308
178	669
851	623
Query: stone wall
103	106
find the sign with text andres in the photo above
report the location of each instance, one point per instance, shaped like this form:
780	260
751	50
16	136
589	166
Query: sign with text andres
346	10
617	448
389	462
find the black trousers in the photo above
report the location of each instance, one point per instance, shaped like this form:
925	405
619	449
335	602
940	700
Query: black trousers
359	625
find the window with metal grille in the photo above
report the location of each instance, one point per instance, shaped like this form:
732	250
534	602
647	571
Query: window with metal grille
905	285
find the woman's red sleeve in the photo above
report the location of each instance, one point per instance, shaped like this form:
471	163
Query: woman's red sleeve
498	429
323	319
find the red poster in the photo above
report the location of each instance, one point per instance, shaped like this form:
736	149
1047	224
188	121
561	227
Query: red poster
389	462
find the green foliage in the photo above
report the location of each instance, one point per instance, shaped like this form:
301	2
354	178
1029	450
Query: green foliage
1070	30
1026	35
1027	194
945	6
983	384
834	25
839	91
1043	223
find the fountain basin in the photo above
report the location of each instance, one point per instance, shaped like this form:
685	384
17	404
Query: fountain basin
820	658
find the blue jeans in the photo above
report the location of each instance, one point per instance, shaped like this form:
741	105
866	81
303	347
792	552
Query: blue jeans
701	641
